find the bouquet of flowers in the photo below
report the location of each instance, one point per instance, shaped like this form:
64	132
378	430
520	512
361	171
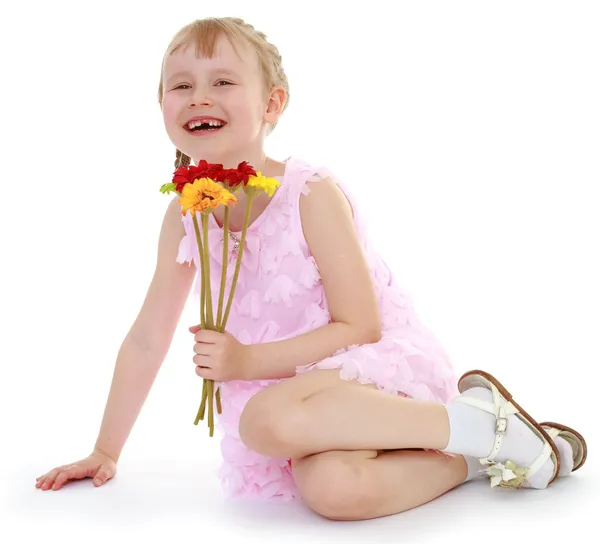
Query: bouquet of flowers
203	188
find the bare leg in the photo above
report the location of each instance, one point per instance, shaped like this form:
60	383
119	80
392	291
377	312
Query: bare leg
318	412
360	485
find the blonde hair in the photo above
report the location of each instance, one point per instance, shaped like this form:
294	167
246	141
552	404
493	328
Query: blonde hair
204	33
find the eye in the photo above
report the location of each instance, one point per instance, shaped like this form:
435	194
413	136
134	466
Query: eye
182	85
223	81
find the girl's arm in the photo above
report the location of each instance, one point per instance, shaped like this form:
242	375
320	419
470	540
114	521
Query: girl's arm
329	230
146	345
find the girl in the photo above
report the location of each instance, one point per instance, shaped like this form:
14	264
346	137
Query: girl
332	390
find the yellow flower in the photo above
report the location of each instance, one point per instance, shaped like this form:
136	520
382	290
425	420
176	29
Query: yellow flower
204	195
268	185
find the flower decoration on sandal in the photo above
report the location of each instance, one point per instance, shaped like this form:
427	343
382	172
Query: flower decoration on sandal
202	189
506	474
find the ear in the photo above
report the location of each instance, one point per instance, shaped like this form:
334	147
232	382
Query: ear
275	105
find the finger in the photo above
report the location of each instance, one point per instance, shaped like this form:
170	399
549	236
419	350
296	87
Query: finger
47	483
204	349
202	361
41	480
68	473
194	328
101	476
63	478
48	478
207	337
206	373
54	472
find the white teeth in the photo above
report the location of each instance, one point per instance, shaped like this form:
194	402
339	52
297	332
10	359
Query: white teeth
211	122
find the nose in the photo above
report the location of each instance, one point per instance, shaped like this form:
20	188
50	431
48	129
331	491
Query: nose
200	98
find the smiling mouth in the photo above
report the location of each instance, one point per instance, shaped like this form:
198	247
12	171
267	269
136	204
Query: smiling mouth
208	126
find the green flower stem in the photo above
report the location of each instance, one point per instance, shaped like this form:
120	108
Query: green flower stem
218	399
222	289
209	310
206	315
224	266
202	286
238	263
202	409
211	423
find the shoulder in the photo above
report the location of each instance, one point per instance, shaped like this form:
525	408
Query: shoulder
321	198
174	206
172	228
275	168
172	218
327	221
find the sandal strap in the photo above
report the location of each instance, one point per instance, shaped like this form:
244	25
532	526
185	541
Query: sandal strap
499	408
575	442
540	461
553	432
508	474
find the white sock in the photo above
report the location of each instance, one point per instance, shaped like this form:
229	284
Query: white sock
566	456
474	468
472	433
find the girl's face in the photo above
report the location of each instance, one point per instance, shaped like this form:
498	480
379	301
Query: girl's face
228	96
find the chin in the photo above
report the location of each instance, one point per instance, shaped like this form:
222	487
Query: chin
229	159
229	155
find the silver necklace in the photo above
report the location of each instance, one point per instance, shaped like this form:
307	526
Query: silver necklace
236	242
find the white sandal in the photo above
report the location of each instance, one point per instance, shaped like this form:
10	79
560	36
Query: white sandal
575	439
507	474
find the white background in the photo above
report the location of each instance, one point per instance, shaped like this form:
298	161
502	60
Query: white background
471	132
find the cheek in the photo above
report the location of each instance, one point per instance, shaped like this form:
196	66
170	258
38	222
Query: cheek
169	110
249	116
247	107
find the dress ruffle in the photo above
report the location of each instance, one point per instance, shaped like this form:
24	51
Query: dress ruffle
245	473
396	366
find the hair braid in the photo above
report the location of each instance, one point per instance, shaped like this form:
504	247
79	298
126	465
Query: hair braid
181	159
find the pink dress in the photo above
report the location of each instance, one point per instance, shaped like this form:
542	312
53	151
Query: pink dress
279	295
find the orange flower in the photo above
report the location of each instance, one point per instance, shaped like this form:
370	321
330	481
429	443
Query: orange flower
205	195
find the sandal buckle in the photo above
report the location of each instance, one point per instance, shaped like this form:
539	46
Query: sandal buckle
501	425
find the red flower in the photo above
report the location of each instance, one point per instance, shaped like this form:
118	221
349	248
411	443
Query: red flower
188	174
236	176
245	170
209	170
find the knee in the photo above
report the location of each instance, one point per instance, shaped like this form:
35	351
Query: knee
270	429
337	488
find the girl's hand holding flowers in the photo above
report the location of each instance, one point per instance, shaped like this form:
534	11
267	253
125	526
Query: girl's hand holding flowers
219	355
